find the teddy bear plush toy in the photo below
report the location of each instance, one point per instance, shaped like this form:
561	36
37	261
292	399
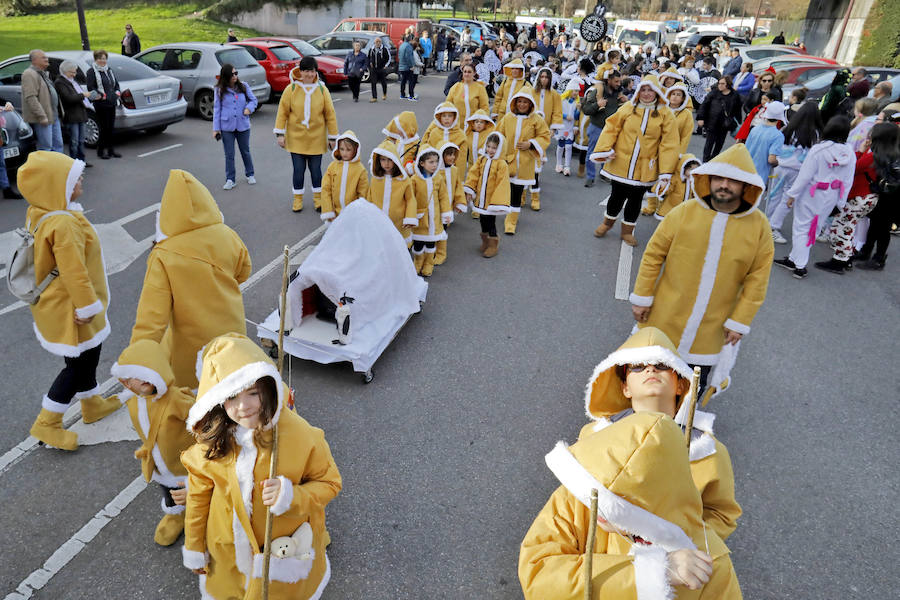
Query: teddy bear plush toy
298	545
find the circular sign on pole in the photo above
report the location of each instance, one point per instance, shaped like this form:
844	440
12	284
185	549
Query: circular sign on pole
593	28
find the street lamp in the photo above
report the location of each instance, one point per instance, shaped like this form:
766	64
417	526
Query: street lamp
82	25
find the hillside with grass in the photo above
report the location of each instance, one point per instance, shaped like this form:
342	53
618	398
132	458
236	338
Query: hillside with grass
155	24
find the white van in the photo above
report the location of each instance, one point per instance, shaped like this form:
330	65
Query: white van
638	33
682	36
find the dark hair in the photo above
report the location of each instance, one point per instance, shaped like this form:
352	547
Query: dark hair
586	66
837	129
100	53
805	126
215	429
308	63
728	82
885	147
515	109
537	80
378	170
772	95
224	81
613	53
749	64
800	93
493	138
422	158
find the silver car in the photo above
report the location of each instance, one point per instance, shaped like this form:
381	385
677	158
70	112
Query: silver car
149	101
197	66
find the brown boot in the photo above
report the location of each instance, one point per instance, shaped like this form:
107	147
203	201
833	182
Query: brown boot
418	261
510	222
535	200
96	407
297	206
627	237
493	247
169	529
484	242
440	252
428	264
580	170
604	227
48	428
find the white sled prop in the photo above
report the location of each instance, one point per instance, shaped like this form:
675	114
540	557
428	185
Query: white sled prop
361	256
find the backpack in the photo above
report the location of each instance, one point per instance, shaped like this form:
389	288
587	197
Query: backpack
20	274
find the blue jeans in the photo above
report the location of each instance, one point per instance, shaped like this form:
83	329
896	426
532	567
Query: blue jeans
243	142
407	78
4	179
593	135
439	61
49	137
301	162
76	140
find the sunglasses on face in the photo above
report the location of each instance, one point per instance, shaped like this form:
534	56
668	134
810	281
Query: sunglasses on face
234	73
662	368
767	80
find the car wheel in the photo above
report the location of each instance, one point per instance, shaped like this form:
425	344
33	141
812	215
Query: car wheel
204	105
91	131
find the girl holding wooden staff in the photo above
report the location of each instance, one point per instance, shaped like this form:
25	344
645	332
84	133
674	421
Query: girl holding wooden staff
240	400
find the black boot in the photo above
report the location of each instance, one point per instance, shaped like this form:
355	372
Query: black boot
833	265
876	264
102	153
113	153
11	194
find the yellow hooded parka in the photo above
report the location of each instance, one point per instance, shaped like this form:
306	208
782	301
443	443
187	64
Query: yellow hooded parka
306	116
344	181
394	195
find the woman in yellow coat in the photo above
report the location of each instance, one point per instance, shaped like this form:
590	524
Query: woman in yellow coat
682	186
306	126
240	400
403	131
478	127
468	95
345	178
159	411
70	316
549	107
434	209
194	250
638	148
616	389
528	137
681	106
445	127
392	191
651	542
487	189
515	80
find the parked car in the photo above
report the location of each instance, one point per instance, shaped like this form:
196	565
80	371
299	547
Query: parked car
338	44
760	52
681	38
150	101
481	31
277	58
818	86
801	74
512	29
673	26
786	62
18	138
331	69
395	28
197	65
762	31
706	38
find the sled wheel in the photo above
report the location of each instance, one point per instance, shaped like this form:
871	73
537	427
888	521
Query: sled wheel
273	352
368	376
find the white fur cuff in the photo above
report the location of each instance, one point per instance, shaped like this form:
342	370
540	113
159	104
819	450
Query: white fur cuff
410	221
53	406
171	510
462	207
277	131
737	327
90	310
651	581
468	191
192	559
641	300
328	215
285	496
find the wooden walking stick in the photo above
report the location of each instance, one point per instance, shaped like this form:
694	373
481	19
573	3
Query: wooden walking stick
267	548
589	549
692	407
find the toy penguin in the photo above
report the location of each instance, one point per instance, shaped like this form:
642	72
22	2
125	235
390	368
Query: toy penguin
445	128
515	80
391	190
345	179
433	209
487	188
403	131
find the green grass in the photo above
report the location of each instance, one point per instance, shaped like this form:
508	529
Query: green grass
157	24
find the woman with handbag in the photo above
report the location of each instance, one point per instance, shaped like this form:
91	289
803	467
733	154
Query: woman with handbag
355	65
719	114
102	81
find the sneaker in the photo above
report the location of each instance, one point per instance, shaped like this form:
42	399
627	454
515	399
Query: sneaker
228	185
251	179
588	183
777	237
799	273
384	99
785	262
413	98
567	171
559	169
374	100
824	238
402	97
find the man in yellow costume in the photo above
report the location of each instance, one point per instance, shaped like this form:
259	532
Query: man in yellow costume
191	289
717	251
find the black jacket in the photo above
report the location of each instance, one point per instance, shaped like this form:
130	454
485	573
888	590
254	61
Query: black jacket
754	98
105	86
720	112
72	101
378	60
454	77
135	46
590	107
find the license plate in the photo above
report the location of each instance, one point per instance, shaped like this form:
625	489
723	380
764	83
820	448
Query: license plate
10	152
156	98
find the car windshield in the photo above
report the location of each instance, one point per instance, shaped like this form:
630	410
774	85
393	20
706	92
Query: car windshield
823	80
128	69
632	36
285	53
305	48
237	57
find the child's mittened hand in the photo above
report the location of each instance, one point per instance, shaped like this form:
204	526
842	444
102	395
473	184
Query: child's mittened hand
270	489
179	495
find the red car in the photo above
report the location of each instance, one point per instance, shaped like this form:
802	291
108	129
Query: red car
331	69
800	75
277	59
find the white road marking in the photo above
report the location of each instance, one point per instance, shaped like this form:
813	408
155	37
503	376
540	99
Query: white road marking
116	427
75	544
623	275
172	147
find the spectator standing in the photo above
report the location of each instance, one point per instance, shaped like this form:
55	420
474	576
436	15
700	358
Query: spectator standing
131	43
355	65
40	103
8	192
744	80
406	61
719	115
600	101
101	79
452	49
832	99
73	99
456	75
882	94
379	59
440	47
733	66
231	36
427	49
858	88
765	83
886	153
466	38
233	104
778	39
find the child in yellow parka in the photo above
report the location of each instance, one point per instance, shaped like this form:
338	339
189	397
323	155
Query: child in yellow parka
445	127
646	375
241	399
345	179
487	188
549	107
681	106
478	127
403	131
682	187
528	137
158	412
453	180
391	190
433	210
515	80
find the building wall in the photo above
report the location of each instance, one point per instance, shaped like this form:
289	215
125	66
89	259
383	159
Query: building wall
822	29
308	23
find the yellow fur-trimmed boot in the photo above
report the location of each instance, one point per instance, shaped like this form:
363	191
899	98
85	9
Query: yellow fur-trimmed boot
317	200
48	428
440	252
628	234
510	222
535	199
297	206
475	215
169	529
96	407
604	227
652	203
428	264
418	261
493	247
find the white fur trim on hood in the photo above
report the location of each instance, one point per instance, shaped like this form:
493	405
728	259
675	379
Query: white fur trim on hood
684	90
72	178
143	373
235	383
660	94
387	154
347	135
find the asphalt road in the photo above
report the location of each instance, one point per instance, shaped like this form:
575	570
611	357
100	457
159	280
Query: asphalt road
442	455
